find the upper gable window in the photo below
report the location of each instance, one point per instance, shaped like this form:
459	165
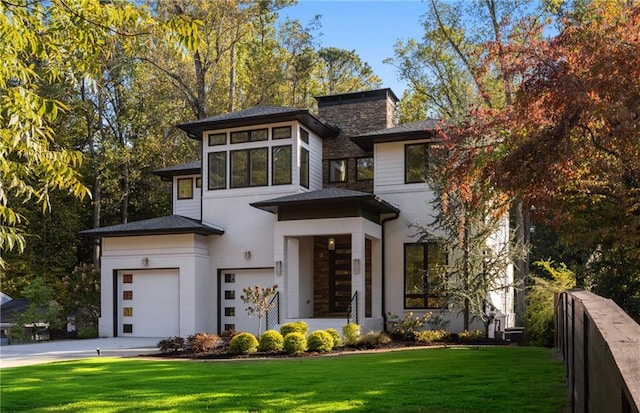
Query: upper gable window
338	170
364	169
185	188
217	139
250	136
283	132
416	161
249	168
304	136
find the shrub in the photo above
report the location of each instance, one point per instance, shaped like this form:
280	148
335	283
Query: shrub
203	342
320	341
351	333
295	343
431	336
171	345
271	340
87	332
243	343
294	327
470	336
226	336
337	339
405	327
373	339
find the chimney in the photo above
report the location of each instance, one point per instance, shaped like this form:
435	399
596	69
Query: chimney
359	112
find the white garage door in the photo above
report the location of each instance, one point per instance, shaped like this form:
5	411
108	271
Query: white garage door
149	303
234	313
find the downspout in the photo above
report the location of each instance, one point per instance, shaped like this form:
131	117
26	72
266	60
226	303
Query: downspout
384	275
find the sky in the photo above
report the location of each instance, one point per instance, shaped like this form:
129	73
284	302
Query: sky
370	27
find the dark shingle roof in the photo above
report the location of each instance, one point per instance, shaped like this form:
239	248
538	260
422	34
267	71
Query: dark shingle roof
184	169
407	131
171	224
259	115
327	195
10	309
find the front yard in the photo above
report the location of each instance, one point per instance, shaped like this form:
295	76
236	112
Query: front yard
458	379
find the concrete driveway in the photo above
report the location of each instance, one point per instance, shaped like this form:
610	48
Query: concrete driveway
49	351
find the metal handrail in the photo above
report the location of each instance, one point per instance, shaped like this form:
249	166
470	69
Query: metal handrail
352	310
273	314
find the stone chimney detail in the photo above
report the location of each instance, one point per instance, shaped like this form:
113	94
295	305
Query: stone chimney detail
354	113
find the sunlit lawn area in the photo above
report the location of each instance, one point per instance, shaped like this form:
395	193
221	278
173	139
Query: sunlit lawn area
488	379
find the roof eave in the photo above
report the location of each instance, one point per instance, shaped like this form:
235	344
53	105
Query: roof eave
366	142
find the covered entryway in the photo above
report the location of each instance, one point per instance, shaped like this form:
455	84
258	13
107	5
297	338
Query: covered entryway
233	313
148	303
332	275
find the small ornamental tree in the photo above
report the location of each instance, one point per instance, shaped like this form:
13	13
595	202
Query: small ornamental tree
259	301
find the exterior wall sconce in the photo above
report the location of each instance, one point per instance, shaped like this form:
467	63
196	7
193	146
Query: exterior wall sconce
145	262
247	255
332	244
356	266
278	268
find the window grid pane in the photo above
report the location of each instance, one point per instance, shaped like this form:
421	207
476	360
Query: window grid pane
304	167
364	169
283	132
185	188
281	168
259	167
338	170
217	170
217	139
304	136
416	161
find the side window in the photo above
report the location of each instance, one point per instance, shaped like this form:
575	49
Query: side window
304	136
364	169
416	157
338	170
185	188
217	170
304	167
422	265
281	165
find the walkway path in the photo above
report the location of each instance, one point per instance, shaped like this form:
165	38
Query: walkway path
49	351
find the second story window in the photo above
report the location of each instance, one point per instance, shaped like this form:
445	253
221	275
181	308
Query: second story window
364	169
304	136
249	136
283	132
217	170
249	168
185	188
304	167
416	161
338	170
281	165
217	139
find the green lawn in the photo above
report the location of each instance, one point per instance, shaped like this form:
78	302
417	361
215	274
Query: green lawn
488	379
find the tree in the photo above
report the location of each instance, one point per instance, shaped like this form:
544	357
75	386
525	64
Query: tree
79	294
43	311
49	43
259	301
343	71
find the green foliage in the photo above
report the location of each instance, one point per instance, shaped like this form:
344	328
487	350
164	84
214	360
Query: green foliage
471	336
405	327
373	339
171	344
540	296
320	341
431	336
202	342
294	327
351	334
295	343
42	308
80	294
243	343
87	332
259	301
337	339
271	340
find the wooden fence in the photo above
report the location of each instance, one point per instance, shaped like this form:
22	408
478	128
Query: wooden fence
600	345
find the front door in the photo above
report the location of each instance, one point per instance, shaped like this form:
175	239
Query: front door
340	275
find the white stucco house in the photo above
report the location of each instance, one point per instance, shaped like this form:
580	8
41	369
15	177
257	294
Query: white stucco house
319	204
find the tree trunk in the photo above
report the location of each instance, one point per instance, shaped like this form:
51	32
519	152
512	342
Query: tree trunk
232	77
465	274
522	265
200	85
125	191
97	198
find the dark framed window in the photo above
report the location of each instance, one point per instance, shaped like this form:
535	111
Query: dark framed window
127	295
304	136
416	161
217	170
127	311
229	327
422	265
185	188
304	167
217	139
249	167
250	135
281	165
229	294
127	328
229	278
127	278
229	311
364	169
282	132
338	170
198	182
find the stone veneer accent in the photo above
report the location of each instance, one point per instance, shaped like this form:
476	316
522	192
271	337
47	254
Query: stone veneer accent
354	113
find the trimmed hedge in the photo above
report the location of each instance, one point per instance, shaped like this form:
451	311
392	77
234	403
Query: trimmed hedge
320	341
243	343
271	340
295	343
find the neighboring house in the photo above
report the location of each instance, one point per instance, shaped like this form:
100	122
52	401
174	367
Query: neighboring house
319	204
9	312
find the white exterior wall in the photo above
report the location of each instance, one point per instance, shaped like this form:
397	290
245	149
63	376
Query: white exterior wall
186	207
414	202
187	253
315	161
